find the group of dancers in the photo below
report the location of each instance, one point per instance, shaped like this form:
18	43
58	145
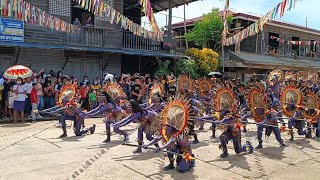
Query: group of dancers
282	102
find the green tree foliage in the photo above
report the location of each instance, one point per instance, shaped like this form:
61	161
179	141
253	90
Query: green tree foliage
163	69
201	63
188	66
206	60
210	28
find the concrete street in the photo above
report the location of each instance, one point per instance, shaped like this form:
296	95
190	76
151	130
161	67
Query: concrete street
34	151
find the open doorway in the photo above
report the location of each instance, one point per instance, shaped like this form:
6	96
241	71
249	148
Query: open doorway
273	43
83	15
295	47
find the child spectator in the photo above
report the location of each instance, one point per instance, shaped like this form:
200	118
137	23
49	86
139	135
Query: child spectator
11	101
34	101
93	99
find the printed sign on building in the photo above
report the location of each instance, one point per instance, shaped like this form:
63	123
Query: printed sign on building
11	30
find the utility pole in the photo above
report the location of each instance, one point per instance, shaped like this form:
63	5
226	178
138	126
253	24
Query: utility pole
185	25
170	17
306	21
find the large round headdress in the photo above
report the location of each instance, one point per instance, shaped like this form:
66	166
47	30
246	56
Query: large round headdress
313	76
175	115
302	75
290	76
184	83
258	104
225	100
278	74
67	93
204	86
311	102
114	91
155	90
290	95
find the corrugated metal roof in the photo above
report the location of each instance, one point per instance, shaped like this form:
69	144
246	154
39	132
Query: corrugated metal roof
162	5
250	58
77	48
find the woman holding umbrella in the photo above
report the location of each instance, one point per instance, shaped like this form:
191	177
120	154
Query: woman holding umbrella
19	100
18	73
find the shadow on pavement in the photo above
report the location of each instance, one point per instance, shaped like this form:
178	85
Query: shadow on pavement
273	152
15	125
238	161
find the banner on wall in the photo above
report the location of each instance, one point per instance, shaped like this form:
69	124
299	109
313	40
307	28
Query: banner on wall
11	30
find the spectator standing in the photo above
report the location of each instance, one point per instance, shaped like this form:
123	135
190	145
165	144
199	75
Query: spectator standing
19	100
125	84
76	22
96	85
59	74
34	101
136	89
89	22
149	82
28	87
40	93
93	99
8	84
57	88
11	95
84	92
162	80
53	77
1	98
48	94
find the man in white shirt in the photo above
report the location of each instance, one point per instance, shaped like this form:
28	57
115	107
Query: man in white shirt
28	87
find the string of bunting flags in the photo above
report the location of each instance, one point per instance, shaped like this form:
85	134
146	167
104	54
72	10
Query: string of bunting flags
302	43
22	10
102	9
148	11
258	26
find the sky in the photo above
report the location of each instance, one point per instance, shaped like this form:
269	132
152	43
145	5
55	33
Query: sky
304	9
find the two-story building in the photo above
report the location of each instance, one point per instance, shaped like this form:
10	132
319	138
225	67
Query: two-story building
105	47
281	45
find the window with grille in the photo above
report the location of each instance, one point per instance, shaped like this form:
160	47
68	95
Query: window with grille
104	16
60	7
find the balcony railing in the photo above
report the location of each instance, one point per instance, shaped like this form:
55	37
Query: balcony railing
291	51
91	37
111	38
131	41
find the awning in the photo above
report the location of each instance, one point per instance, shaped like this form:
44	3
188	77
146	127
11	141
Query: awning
265	61
162	5
78	48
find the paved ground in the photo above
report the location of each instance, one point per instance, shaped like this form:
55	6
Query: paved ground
33	151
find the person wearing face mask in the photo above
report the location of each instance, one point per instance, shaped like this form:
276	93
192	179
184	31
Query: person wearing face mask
19	100
48	93
96	86
85	79
28	86
84	92
59	74
40	93
99	80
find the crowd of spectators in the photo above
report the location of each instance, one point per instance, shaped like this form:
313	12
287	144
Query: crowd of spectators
20	98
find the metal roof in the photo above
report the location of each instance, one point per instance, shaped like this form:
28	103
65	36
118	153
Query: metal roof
78	48
262	59
162	5
253	17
